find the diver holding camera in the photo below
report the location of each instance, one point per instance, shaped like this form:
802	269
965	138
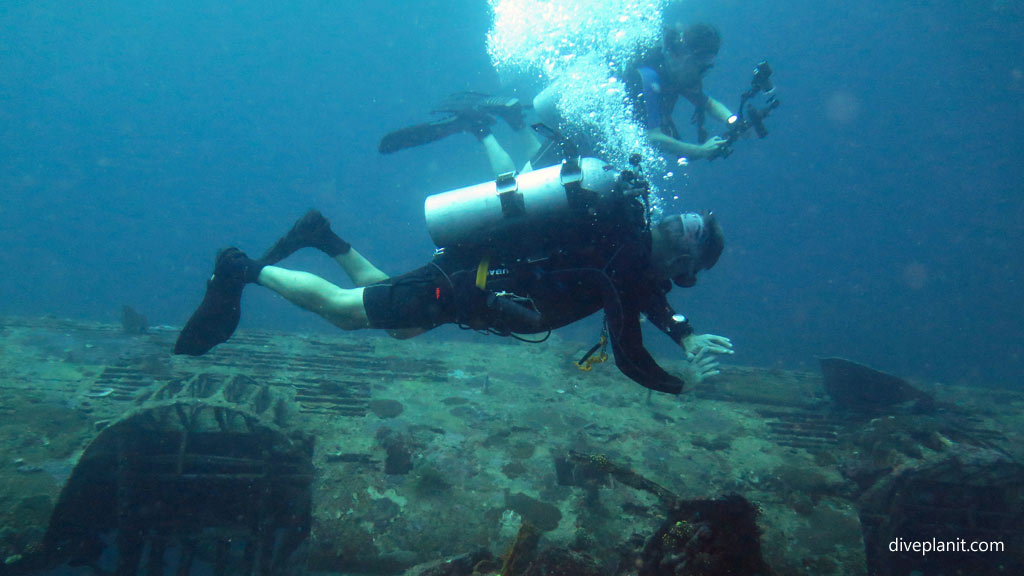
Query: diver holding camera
677	72
654	83
754	116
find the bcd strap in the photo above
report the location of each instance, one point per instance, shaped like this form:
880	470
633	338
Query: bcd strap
698	118
571	178
507	188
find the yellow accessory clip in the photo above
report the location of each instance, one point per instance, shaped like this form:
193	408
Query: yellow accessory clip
586	363
481	272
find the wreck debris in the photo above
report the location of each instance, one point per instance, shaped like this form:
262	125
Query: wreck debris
965	494
473	463
858	388
201	471
706	538
578	468
522	551
133	321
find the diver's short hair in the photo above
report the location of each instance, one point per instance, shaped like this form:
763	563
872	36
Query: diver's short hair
700	39
714	243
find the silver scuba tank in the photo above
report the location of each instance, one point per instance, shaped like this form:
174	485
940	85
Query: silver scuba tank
518	208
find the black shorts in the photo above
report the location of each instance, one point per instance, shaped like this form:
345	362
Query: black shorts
418	299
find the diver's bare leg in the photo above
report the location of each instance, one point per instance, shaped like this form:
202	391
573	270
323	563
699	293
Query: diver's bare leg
359	269
528	138
501	161
339	306
364	273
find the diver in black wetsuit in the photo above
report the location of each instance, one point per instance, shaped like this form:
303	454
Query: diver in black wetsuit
610	260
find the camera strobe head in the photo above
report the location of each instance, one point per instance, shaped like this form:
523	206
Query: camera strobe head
762	80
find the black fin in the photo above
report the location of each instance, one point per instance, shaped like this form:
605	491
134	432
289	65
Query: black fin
312	230
478	104
461	103
421	134
217	316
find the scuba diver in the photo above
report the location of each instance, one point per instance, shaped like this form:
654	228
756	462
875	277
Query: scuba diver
654	85
519	255
677	70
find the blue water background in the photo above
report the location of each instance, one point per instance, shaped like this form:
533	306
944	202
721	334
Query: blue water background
881	220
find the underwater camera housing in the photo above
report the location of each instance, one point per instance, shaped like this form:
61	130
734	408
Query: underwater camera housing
750	116
762	80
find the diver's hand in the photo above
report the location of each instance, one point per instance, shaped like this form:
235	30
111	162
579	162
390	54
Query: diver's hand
699	367
714	344
712	147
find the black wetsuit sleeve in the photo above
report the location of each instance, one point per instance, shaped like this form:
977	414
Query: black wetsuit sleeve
661	314
622	308
633	359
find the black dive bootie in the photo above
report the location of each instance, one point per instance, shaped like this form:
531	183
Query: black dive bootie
217	316
310	231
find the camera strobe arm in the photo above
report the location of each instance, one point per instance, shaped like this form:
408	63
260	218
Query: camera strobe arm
738	125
